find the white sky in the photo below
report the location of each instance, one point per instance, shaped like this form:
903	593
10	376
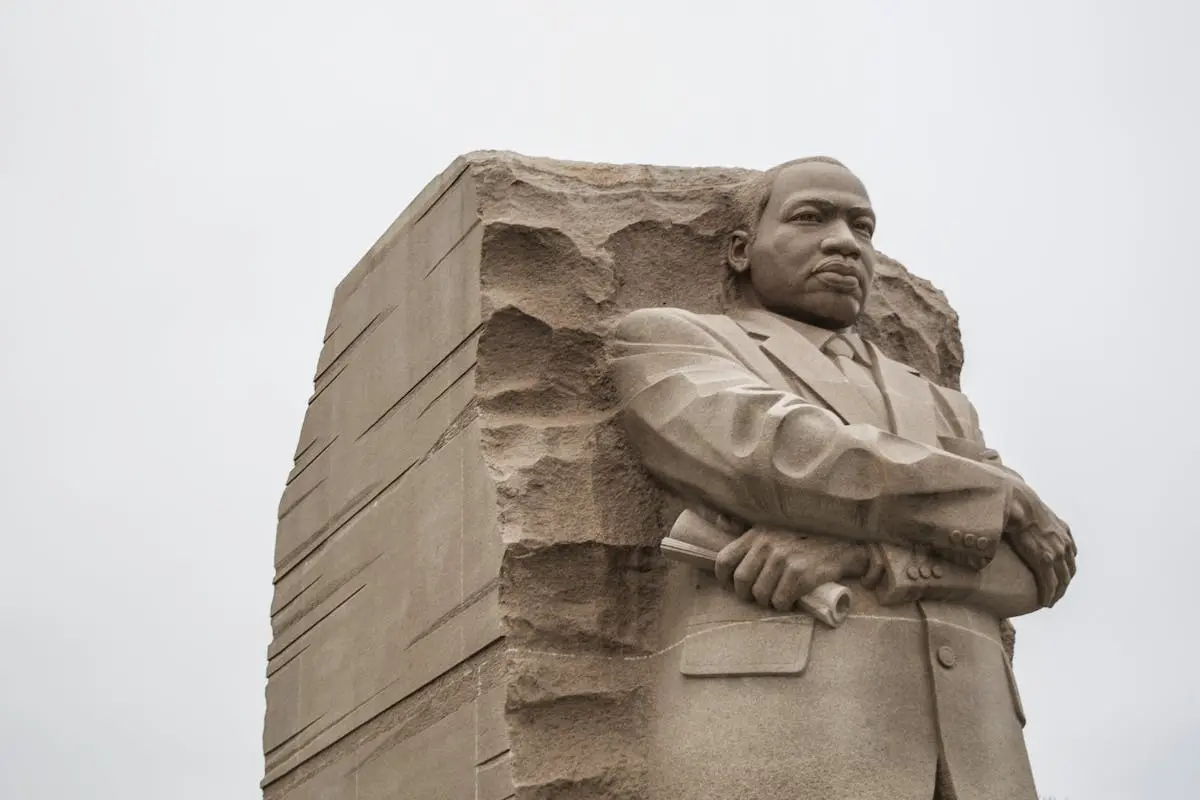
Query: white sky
182	184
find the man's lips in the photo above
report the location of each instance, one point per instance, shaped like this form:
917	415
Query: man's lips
839	275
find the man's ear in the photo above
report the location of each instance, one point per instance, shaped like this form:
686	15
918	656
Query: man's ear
737	251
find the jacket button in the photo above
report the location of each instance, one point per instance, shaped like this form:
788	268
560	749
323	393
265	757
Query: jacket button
983	543
969	540
925	573
912	572
945	655
955	537
936	569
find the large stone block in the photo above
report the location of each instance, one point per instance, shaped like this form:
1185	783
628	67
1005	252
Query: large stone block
460	480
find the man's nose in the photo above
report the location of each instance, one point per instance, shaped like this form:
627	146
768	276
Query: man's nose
840	240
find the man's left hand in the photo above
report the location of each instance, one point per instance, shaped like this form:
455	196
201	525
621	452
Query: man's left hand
1042	541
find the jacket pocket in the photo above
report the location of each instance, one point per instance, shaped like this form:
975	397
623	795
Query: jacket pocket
772	646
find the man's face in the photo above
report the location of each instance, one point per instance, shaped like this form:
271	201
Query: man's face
812	257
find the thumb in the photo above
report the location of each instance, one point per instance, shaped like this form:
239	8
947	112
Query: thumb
827	573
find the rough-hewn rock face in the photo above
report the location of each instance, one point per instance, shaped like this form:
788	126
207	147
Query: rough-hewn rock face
468	598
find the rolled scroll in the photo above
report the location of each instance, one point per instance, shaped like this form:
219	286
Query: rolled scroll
694	540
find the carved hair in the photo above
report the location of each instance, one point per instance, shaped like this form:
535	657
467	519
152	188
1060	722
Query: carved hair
750	200
751	197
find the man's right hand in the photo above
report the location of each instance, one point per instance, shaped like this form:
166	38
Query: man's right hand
1043	542
775	568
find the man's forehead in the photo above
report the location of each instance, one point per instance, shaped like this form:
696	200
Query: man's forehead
819	179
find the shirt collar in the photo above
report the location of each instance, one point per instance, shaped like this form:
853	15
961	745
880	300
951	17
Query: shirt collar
821	336
752	315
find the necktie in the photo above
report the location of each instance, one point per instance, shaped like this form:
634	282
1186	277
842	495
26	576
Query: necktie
843	354
838	348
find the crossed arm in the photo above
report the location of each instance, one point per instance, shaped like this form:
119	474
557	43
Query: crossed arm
714	431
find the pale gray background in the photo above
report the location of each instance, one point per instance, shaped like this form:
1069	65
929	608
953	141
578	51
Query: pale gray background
183	183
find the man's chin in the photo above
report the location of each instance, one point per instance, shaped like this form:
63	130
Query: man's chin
838	312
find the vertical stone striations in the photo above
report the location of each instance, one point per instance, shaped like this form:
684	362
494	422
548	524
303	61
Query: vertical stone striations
383	671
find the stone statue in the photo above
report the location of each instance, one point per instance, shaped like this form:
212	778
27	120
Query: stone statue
470	593
809	459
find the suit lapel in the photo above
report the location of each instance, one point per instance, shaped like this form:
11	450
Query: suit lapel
910	403
792	353
748	349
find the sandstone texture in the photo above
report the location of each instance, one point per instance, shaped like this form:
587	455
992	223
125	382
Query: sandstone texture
468	591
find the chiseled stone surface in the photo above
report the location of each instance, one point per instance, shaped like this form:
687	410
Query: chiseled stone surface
460	479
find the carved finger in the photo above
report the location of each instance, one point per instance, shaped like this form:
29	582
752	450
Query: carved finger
764	586
1062	566
747	572
1047	582
1063	576
787	591
810	576
1019	546
1070	557
730	557
1027	549
826	573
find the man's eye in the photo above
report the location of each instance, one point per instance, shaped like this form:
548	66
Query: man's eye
864	227
806	216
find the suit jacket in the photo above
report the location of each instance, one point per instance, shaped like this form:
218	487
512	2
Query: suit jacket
743	415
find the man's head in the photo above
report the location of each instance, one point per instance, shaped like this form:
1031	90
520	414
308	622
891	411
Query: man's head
804	247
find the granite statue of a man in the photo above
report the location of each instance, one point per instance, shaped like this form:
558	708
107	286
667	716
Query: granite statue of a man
823	461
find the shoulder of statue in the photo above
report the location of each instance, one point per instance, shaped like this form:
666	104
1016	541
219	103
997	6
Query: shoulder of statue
653	315
952	395
655	322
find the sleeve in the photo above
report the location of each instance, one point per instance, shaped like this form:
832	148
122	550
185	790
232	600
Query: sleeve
712	430
1006	586
964	420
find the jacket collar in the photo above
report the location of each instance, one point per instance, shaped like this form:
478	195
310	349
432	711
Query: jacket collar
789	345
795	348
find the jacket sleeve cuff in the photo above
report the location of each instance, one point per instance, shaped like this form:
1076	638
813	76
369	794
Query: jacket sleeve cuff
913	573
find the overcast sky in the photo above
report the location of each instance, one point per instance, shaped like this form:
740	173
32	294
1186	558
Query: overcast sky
182	184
